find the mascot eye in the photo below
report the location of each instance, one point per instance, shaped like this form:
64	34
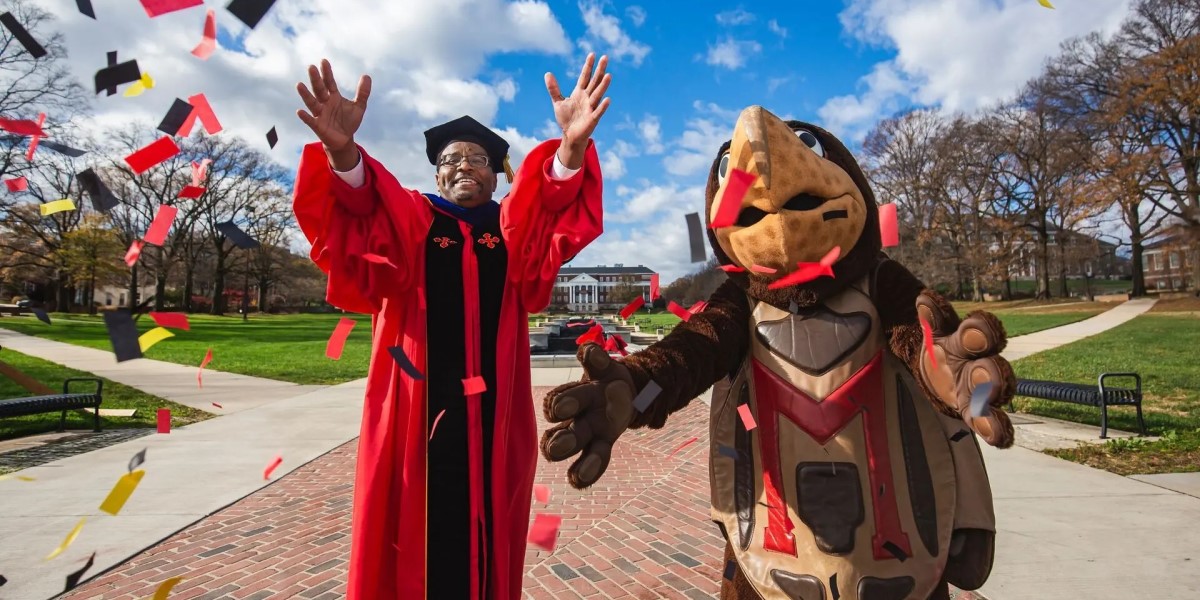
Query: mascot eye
723	168
811	141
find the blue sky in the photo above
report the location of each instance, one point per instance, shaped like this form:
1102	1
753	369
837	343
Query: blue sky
681	73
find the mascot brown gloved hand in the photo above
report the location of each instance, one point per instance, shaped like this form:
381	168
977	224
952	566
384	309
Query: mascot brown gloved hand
863	479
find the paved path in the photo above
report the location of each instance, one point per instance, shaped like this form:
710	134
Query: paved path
1022	346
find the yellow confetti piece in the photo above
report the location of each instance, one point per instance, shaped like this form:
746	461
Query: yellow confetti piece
1046	3
139	87
154	336
121	492
164	588
21	477
70	538
57	206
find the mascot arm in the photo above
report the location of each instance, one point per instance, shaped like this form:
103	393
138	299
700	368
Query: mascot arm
894	292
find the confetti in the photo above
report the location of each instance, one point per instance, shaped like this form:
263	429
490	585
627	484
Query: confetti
544	531
191	192
1046	3
762	269
3	580
175	117
117	74
200	373
377	259
173	320
199	171
73	579
121	491
730	569
21	477
979	400
960	434
33	142
164	588
806	272
140	86
152	154
164	420
737	184
732	269
433	427
63	149
41	315
699	306
406	365
17	184
679	311
31	45
541	493
147	340
337	341
889	230
747	417
275	462
157	233
682	446
123	334
249	12
927	333
645	397
203	111
696	238
240	238
137	460
21	127
272	138
615	344
633	307
103	199
56	207
218	406
654	287
67	542
156	8
594	334
208	43
134	252
474	385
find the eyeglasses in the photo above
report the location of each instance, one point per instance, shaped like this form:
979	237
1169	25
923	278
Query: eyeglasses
453	160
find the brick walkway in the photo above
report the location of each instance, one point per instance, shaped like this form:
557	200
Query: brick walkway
642	532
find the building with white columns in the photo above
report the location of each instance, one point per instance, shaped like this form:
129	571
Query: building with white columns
585	289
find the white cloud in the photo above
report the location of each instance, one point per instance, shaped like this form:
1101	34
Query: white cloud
650	131
625	150
712	108
775	83
604	34
959	54
636	14
776	28
612	166
550	129
697	147
738	16
732	54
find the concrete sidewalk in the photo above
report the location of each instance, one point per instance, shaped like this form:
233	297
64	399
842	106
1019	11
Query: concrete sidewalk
1025	345
174	382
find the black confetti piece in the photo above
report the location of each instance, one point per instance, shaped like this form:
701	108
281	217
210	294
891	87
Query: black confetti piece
402	359
979	400
118	74
696	237
3	580
833	587
647	396
240	238
111	58
960	434
137	460
123	334
727	451
103	199
85	7
73	578
249	12
18	30
272	138
63	149
730	569
178	113
895	550
41	315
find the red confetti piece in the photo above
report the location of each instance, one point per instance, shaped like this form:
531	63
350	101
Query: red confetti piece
632	307
172	320
377	259
806	272
152	154
747	418
218	405
200	373
654	287
155	8
33	143
541	493
203	111
682	446
209	42
474	385
191	192
18	184
275	462
889	229
435	422
927	333
544	531
337	341
595	334
21	126
732	269
164	420
679	311
699	306
199	170
736	186
134	252
157	233
762	269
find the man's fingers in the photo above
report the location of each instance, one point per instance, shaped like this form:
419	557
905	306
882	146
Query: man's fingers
318	86
599	90
309	100
552	87
327	75
364	91
308	120
599	112
585	73
598	77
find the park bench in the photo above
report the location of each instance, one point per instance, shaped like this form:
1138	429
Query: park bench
33	405
1099	395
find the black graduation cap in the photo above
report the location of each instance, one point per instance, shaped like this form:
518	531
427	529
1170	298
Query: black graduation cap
240	238
466	129
18	30
123	334
249	12
103	199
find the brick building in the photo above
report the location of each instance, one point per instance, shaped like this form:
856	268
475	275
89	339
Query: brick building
587	289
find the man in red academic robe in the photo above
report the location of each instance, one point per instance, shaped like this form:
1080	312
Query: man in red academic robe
449	278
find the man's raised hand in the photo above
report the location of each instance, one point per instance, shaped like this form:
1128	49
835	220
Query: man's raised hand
579	113
331	116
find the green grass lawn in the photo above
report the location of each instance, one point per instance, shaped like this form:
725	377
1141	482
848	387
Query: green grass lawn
1021	323
115	396
283	347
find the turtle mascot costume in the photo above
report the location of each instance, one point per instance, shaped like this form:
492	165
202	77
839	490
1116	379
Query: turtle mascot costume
854	473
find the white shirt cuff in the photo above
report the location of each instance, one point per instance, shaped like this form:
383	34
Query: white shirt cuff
355	177
560	171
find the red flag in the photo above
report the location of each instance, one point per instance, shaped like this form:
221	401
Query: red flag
172	320
200	373
889	229
18	184
807	272
544	531
202	110
157	233
632	307
679	311
152	154
654	287
736	186
337	341
209	42
134	252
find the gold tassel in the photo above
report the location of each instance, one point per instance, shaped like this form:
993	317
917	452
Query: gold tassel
508	172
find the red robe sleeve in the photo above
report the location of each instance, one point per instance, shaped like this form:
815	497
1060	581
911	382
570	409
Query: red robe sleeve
546	221
365	239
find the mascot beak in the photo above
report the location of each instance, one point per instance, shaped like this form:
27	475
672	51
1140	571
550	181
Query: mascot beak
753	122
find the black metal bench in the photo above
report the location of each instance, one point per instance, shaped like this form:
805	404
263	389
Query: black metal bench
1099	395
34	405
